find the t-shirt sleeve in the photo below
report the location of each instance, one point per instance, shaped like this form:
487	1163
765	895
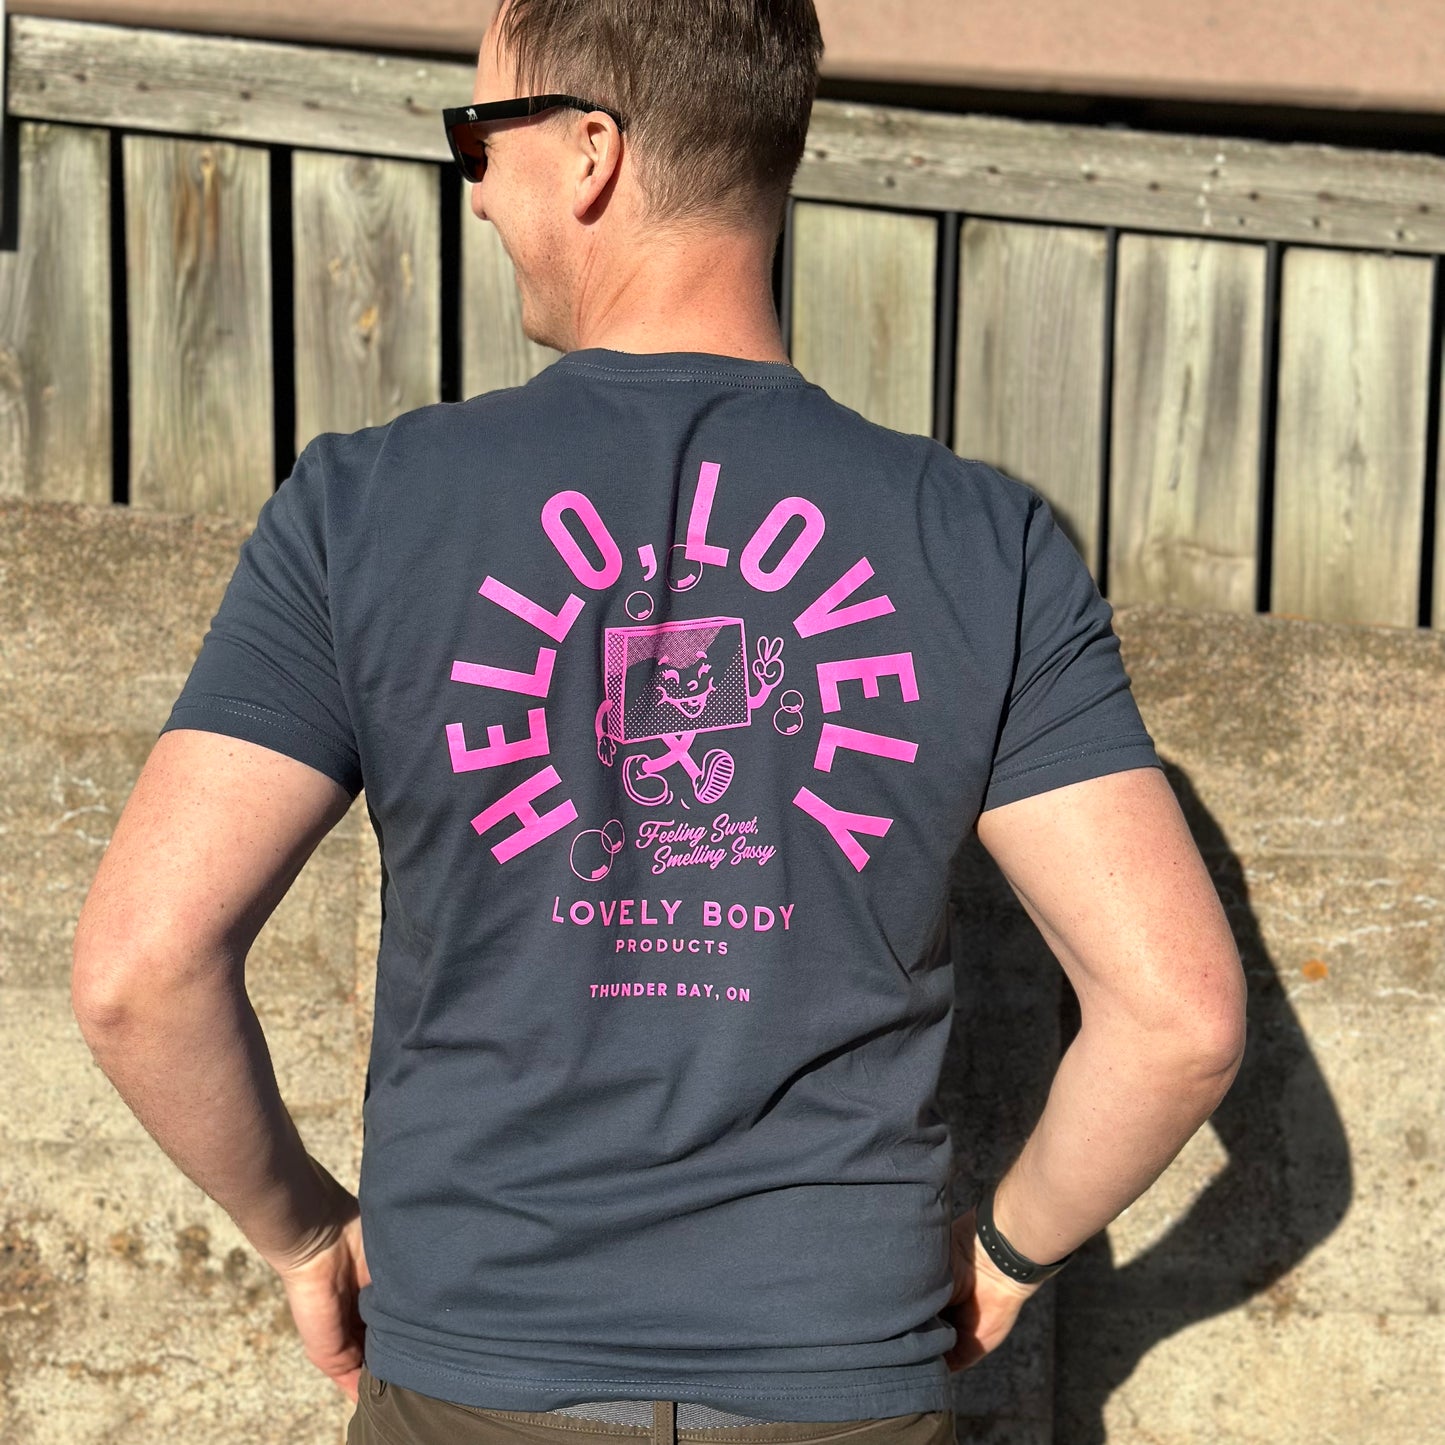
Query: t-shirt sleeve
267	670
1070	714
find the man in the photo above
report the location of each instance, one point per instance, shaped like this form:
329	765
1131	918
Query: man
673	686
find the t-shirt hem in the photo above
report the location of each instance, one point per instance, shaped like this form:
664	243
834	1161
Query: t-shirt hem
835	1395
1097	760
252	723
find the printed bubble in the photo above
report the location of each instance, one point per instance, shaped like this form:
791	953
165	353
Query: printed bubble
682	575
789	717
593	851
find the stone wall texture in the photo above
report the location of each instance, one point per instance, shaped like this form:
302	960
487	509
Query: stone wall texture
1281	1283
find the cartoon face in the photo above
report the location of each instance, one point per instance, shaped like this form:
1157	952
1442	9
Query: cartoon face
674	677
684	685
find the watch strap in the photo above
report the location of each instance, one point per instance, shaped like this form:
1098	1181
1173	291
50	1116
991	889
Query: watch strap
1015	1265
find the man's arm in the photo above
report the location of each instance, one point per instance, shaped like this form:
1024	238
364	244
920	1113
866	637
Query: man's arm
213	835
1108	871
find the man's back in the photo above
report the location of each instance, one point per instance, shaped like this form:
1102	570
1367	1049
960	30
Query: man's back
674	685
662	672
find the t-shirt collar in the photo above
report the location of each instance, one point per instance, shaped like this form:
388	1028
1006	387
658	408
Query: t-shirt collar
699	363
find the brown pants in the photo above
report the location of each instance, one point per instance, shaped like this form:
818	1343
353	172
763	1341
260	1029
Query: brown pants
389	1414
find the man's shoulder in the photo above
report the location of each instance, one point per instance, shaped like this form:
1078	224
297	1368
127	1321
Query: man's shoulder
951	479
944	459
912	458
433	420
503	432
438	437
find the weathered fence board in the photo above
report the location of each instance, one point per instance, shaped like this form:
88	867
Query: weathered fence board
906	159
1184	473
1194	185
1030	376
199	261
233	89
1032	340
367	259
863	309
495	350
55	321
1350	455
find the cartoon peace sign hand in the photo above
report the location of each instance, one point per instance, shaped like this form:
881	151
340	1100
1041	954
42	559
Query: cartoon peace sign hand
768	664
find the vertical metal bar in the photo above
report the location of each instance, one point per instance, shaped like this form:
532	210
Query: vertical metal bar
119	328
1106	402
450	182
283	312
1429	548
945	331
1269	412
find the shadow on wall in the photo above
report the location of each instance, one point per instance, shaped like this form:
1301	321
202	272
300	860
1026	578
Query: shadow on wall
1286	1186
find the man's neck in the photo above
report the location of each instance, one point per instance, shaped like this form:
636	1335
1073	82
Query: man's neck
715	299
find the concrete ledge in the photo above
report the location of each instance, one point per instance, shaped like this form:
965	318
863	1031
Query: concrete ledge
1283	1281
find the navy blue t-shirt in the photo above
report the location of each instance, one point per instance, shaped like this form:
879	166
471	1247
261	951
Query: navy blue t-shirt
673	685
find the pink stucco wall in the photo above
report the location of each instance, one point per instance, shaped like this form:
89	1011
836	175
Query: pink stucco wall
1386	54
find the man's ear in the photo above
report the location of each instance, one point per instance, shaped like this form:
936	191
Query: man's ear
598	159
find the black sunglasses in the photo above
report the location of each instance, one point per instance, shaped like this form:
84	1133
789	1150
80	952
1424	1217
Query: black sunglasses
463	125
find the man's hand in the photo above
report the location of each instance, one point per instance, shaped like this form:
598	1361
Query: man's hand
323	1283
985	1301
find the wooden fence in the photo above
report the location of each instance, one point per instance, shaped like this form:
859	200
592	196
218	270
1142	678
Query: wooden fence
1221	359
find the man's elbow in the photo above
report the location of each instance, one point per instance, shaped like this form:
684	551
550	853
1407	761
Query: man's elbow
1219	1057
119	969
104	982
1189	1038
1213	1031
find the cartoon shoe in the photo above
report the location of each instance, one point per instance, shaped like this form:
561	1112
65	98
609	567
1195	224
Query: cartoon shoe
713	776
649	789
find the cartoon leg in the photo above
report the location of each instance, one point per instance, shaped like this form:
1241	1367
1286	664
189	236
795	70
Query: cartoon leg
712	777
642	775
677	752
643	785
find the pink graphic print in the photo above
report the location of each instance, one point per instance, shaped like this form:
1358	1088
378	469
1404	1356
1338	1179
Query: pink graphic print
669	682
594	849
788	719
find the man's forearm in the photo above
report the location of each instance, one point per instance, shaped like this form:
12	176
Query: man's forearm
1119	1110
190	1059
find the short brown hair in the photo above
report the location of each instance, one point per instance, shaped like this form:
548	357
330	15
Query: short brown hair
716	94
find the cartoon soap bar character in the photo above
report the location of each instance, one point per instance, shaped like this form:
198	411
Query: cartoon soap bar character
671	681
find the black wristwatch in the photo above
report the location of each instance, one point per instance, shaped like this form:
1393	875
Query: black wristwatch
1003	1254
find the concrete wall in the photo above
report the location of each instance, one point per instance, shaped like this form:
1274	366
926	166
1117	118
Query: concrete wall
1307	52
1282	1282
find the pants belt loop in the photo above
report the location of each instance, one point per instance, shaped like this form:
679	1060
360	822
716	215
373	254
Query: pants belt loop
664	1422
